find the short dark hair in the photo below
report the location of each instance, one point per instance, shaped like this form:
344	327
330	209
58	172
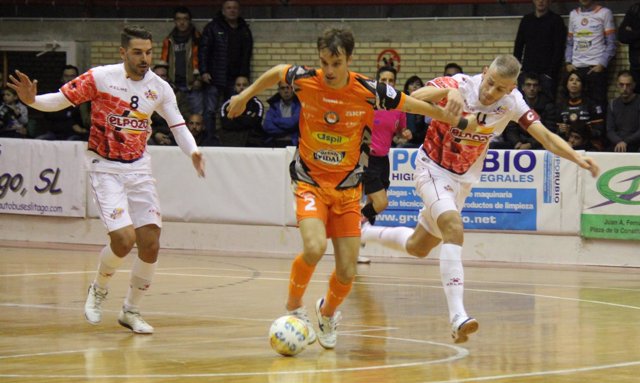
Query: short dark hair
531	76
625	72
386	68
453	65
68	66
133	32
336	39
182	9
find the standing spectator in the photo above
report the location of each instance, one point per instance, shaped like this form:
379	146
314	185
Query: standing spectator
575	110
451	69
281	124
416	123
14	116
629	33
539	46
224	54
124	95
623	117
246	129
538	101
591	44
180	52
66	124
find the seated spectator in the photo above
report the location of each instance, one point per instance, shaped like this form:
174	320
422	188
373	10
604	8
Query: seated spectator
623	116
160	131
14	116
451	69
196	127
579	137
66	124
575	107
281	122
518	138
416	123
245	130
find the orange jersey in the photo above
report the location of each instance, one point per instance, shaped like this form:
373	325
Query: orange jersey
333	123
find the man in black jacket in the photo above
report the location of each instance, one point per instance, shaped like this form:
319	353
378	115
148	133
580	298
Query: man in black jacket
540	44
629	33
224	54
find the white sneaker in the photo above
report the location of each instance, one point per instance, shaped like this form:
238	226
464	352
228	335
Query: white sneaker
93	305
461	327
301	313
364	226
328	336
363	260
132	320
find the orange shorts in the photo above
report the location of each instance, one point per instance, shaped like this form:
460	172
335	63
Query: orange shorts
338	209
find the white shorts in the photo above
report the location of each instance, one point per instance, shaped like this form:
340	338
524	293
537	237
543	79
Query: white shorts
126	199
439	193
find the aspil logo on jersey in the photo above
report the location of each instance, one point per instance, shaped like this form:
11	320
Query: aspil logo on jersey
331	139
330	157
470	136
134	123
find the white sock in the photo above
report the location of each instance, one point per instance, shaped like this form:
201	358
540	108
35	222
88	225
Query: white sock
392	237
452	276
107	266
141	277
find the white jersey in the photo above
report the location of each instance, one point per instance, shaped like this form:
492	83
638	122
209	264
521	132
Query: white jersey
588	30
462	154
121	110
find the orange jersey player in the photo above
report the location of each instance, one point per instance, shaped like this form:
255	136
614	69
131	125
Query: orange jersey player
336	114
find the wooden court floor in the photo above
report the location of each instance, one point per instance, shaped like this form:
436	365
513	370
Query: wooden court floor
212	314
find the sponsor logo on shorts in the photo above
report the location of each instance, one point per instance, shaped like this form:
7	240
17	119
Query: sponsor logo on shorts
116	213
331	117
331	139
330	157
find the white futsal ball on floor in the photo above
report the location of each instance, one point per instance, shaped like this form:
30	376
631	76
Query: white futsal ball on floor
288	335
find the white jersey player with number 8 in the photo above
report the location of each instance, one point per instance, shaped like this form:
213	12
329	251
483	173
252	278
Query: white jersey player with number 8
123	97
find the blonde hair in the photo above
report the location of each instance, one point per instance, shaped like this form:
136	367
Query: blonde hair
506	66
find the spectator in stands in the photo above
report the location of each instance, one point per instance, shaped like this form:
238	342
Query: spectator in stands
451	69
224	54
591	44
539	46
245	130
281	124
629	33
14	116
623	117
160	130
66	124
574	107
416	123
196	127
180	52
538	101
579	138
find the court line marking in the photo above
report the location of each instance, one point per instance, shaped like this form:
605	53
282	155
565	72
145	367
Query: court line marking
460	354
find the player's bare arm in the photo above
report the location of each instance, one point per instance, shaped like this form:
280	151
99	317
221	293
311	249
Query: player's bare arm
268	79
25	88
416	106
556	145
455	102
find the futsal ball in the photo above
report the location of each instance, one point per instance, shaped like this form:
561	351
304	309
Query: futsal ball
288	335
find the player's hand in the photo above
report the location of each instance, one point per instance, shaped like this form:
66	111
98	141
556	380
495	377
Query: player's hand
596	69
455	102
472	123
236	106
589	164
24	87
198	163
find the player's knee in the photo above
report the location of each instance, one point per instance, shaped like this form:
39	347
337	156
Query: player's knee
415	249
314	248
122	243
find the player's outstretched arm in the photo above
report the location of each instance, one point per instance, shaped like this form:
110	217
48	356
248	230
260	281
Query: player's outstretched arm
270	78
556	145
27	91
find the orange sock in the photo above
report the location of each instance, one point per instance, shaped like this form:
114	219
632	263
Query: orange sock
301	274
336	294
